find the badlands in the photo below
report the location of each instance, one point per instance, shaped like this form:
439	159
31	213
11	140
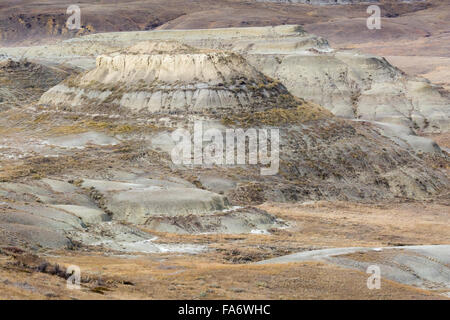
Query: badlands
87	177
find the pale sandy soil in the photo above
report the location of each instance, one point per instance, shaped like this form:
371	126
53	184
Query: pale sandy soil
225	271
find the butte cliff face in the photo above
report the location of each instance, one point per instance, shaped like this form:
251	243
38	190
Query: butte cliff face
168	77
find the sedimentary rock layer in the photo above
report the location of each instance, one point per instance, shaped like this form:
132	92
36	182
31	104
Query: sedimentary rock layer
169	77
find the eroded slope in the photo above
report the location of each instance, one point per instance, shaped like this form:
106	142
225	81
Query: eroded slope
169	77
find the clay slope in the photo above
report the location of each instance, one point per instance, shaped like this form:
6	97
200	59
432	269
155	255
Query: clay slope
22	81
169	77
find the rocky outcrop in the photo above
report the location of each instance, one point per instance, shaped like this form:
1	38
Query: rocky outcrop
169	77
53	213
352	85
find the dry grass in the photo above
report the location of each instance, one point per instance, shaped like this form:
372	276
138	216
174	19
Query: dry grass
38	167
277	116
188	277
225	273
108	127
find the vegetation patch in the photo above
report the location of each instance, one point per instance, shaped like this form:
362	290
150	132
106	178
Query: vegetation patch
278	116
103	126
